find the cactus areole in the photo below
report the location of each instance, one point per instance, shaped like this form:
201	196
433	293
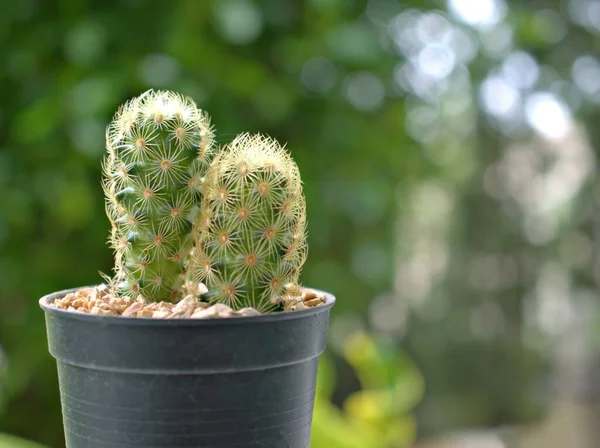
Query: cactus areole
142	360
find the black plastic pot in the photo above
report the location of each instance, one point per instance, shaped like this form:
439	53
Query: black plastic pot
204	383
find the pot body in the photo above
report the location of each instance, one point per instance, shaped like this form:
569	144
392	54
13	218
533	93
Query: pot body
205	383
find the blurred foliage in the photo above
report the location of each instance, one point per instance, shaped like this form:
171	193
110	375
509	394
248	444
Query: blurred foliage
447	153
7	441
275	66
499	269
376	416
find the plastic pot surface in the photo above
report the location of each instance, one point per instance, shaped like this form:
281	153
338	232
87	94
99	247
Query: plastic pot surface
205	383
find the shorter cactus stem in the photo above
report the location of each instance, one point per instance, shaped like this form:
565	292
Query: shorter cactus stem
251	231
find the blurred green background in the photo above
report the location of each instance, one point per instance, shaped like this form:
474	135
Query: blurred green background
448	150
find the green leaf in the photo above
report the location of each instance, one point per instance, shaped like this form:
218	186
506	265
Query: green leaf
325	377
387	375
7	441
331	429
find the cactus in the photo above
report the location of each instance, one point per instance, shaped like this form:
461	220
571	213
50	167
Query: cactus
159	146
251	231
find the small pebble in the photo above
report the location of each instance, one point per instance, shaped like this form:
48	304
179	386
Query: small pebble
308	295
204	313
249	312
221	308
184	308
313	302
145	312
133	309
160	314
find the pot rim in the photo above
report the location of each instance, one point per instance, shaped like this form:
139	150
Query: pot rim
46	300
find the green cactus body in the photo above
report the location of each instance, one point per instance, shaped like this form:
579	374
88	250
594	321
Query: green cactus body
159	146
251	231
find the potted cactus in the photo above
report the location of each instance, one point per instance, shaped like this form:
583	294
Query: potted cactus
203	336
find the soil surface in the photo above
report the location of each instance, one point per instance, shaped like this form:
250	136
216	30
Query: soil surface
100	300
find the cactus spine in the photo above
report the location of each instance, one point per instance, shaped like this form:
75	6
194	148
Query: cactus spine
159	146
251	232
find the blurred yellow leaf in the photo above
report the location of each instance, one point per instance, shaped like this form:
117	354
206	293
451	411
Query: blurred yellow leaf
381	368
331	429
361	352
359	348
369	405
401	431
